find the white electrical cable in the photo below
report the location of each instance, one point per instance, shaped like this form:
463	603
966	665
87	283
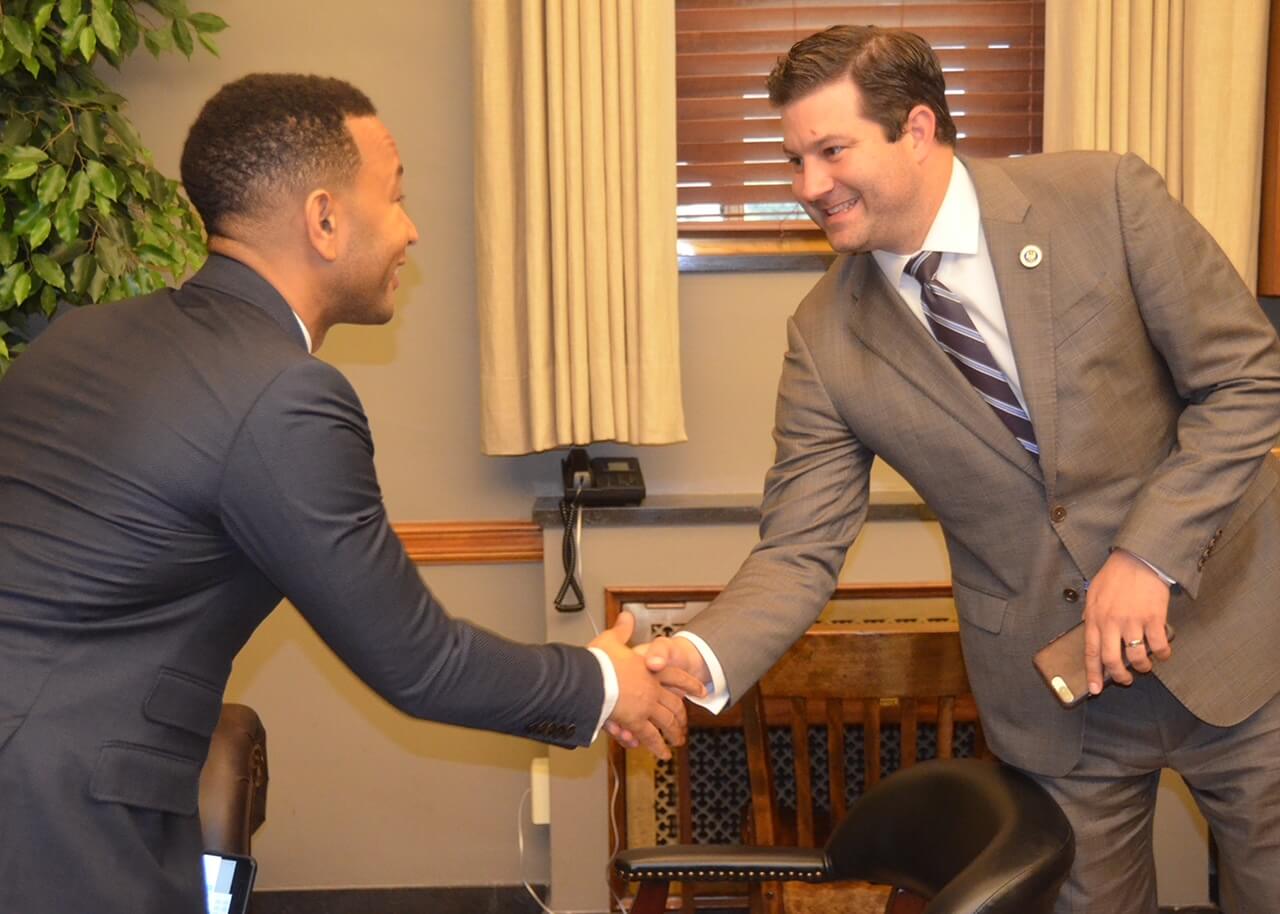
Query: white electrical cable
520	846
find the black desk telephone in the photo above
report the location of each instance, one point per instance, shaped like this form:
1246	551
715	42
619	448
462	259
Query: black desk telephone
601	481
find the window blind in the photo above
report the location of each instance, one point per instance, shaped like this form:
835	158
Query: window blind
731	170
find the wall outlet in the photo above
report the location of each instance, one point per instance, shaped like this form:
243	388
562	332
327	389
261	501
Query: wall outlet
540	791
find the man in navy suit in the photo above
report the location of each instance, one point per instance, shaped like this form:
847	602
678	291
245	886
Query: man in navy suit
174	465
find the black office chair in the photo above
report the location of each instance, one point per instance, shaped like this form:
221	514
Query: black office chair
233	782
971	836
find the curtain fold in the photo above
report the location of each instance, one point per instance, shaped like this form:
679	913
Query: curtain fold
575	223
1182	83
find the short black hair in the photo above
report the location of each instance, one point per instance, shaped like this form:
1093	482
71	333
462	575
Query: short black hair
894	70
266	133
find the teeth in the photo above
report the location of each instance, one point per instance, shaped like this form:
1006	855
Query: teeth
847	205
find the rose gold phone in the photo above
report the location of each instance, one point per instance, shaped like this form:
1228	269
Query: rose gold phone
1061	665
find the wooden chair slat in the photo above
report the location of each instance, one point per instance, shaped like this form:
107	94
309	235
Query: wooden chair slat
871	740
835	756
946	725
803	773
910	751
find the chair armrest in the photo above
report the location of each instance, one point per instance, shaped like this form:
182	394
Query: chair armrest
233	782
723	862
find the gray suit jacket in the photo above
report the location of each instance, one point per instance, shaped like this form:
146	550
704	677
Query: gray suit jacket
1153	381
169	468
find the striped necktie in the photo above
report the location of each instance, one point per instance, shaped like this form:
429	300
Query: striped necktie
960	339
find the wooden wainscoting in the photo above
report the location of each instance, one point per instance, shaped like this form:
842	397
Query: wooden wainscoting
471	542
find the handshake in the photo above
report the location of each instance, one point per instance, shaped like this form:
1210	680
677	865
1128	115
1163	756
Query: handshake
653	680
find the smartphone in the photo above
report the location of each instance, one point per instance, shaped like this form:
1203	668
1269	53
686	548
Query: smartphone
1061	665
228	881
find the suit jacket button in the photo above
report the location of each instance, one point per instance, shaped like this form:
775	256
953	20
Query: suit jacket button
1070	595
570	729
1059	514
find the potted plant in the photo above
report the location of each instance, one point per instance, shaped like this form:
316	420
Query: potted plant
84	215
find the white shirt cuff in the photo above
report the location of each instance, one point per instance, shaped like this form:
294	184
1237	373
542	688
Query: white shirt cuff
717	696
610	687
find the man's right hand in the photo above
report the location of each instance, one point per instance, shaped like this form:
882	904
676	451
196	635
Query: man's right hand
650	709
674	653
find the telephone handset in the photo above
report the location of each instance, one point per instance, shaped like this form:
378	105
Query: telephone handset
601	481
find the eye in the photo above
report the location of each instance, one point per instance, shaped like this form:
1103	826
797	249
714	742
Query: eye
794	162
833	152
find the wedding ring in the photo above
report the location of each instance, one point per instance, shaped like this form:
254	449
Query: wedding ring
1136	642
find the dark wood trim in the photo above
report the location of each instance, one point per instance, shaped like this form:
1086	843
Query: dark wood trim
471	542
497	899
614	597
1269	242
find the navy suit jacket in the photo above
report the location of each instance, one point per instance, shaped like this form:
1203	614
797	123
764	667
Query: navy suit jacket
170	468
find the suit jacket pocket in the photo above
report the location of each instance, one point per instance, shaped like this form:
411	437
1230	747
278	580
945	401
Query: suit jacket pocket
25	662
182	701
144	776
977	607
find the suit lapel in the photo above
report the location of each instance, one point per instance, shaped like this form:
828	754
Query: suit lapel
1011	224
880	318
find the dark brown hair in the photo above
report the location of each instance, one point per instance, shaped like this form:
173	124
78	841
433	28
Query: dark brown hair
894	71
267	133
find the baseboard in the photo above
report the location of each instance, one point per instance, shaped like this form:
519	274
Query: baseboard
498	899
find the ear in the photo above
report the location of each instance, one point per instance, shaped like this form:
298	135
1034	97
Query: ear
921	129
322	223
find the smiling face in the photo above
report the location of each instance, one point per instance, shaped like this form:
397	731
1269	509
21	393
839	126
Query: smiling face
866	192
380	230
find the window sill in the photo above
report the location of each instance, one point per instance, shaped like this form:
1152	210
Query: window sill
752	248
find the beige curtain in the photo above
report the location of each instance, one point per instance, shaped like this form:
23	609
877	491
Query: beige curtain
575	222
1181	83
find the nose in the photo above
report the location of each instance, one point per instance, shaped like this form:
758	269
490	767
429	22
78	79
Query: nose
811	183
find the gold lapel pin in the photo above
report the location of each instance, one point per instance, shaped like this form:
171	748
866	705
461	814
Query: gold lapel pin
1030	256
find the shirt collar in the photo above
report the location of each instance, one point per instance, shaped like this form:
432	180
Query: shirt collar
955	230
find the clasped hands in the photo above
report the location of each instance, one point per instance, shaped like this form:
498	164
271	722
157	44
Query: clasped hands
653	681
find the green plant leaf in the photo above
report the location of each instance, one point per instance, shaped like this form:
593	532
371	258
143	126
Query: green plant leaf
49	271
21	287
31	65
7	281
97	284
207	22
42	17
17	130
19	171
90	131
63	148
110	257
19	34
80	188
27	154
8	249
182	37
210	45
88	43
124	130
25	221
48	301
158	40
70	9
39	232
81	272
51	183
103	181
70	39
105	25
4	209
66	219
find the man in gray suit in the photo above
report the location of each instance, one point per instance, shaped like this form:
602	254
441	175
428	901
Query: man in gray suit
1066	367
173	465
